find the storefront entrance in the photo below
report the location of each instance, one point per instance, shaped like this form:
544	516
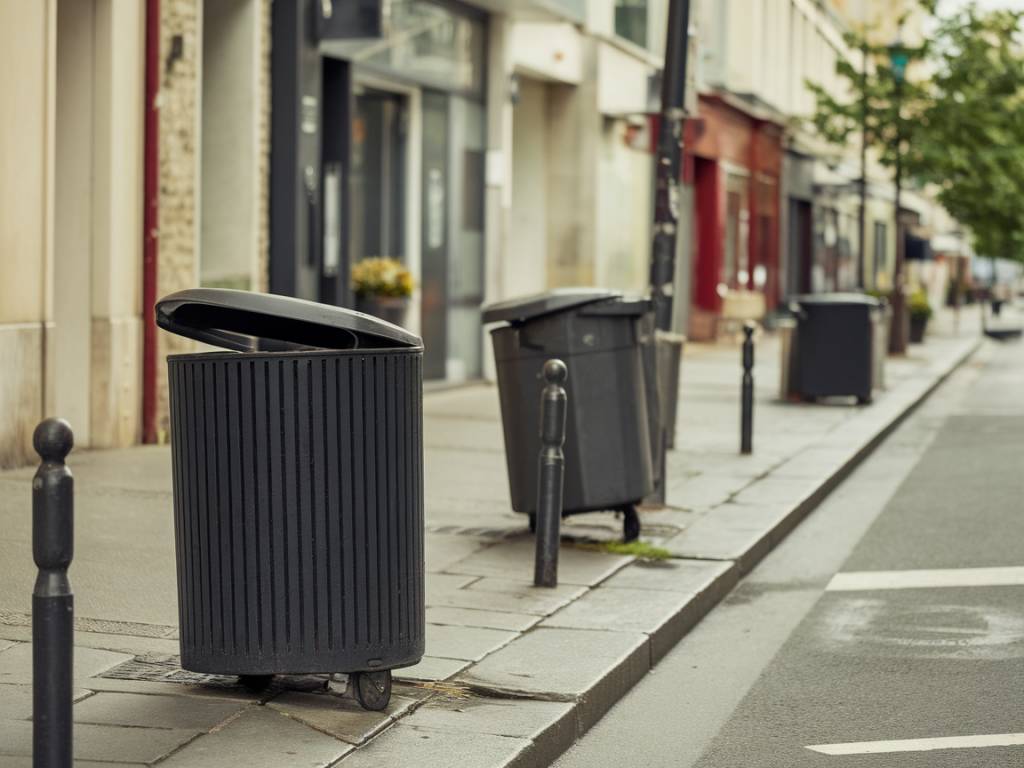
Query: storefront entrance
378	172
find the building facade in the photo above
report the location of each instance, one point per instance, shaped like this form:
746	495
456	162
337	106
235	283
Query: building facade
496	147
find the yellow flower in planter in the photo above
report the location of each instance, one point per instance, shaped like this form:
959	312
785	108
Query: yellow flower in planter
381	276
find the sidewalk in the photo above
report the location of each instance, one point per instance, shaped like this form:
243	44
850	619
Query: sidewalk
513	674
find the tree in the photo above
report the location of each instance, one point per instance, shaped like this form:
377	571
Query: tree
970	135
962	129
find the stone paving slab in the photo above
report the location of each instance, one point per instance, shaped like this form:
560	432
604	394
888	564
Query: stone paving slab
16	663
549	725
502	595
260	738
643	601
592	668
469	617
575	566
427	748
15	702
432	669
465	643
101	742
147	711
341	716
738	533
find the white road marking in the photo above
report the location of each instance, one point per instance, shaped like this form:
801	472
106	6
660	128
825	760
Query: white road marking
855	581
921	745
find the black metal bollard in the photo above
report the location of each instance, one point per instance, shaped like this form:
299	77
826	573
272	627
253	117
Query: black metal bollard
747	415
551	476
52	601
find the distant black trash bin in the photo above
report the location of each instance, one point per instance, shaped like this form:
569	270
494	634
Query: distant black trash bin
835	347
597	333
298	477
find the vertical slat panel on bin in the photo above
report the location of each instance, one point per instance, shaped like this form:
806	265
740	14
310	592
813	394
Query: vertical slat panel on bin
348	475
383	509
318	491
250	506
402	533
333	512
371	509
360	504
278	509
259	369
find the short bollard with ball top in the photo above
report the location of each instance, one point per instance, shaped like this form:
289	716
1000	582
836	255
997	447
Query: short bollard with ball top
52	601
551	475
747	416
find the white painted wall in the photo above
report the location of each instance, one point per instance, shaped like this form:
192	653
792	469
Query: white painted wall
622	81
525	269
624	211
548	51
73	217
229	162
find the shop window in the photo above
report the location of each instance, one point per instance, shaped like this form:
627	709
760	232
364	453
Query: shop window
631	21
427	42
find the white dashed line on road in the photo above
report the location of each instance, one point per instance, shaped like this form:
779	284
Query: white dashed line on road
857	581
921	745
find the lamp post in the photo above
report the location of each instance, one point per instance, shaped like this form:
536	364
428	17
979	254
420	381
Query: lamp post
862	279
900	318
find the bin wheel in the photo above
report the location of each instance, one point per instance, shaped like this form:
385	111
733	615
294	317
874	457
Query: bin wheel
372	689
630	524
255	683
533	522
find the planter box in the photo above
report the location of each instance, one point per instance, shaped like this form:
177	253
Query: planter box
918	325
391	309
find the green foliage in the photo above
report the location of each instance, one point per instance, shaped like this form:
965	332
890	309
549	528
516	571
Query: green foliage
919	306
381	276
962	129
972	128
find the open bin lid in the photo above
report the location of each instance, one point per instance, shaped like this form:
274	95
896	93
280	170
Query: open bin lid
262	322
836	298
524	308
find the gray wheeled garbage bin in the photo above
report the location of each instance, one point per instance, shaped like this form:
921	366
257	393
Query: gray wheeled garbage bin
608	445
835	345
298	501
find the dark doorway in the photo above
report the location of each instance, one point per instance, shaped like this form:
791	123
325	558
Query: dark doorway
800	247
380	124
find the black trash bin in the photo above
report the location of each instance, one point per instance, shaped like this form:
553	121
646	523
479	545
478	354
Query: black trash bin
835	345
597	333
298	476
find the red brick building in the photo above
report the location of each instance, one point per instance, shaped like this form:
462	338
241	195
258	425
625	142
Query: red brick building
734	162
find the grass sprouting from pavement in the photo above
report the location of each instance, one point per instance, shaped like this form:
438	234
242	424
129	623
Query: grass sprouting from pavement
638	549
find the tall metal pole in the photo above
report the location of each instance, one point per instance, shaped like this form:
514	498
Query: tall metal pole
862	278
666	206
900	319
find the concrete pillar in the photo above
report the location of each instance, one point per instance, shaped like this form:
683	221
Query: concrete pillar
179	130
119	55
27	48
498	171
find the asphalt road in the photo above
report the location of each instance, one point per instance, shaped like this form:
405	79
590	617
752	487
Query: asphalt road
789	673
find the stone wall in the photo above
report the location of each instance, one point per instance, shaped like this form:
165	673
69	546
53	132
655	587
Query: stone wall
180	53
263	139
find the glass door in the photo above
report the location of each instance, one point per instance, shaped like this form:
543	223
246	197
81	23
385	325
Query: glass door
380	125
